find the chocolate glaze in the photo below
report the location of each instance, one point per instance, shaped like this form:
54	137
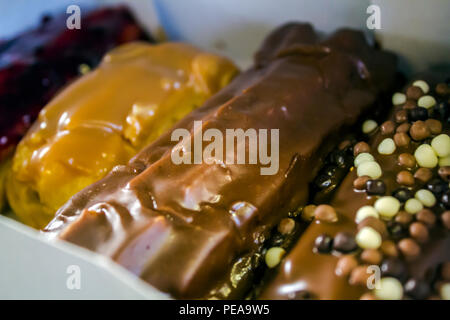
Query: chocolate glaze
303	270
182	227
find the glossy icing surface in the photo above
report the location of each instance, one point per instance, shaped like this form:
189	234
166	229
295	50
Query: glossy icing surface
106	117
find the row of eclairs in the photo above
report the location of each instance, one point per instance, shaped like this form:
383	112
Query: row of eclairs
102	153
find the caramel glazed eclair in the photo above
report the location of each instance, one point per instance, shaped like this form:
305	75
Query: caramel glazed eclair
196	231
104	118
385	234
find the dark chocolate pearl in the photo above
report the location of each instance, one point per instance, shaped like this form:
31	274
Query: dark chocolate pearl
323	243
441	110
344	242
277	241
396	230
432	274
417	289
402	194
445	199
393	267
342	159
437	186
375	187
418	113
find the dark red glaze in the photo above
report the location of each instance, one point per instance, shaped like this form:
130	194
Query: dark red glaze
35	65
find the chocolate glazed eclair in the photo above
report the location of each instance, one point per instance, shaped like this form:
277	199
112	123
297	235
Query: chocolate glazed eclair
186	228
386	234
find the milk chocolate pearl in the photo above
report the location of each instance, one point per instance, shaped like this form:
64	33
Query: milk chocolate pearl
410	104
401	116
387	127
434	125
445	217
371	256
360	182
405	178
419	232
419	131
414	92
404	127
359	276
345	265
325	213
308	212
406	160
423	175
286	226
442	89
361	147
409	248
426	216
404	218
401	139
389	249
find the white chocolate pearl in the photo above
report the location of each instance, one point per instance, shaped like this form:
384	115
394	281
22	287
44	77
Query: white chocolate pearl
363	157
273	256
390	289
444	161
369	168
364	212
422	85
368	238
387	206
425	156
426	102
445	291
441	145
426	197
398	98
387	146
413	206
368	126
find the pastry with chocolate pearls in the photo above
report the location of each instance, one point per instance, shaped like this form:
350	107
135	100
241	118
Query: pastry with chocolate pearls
394	203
